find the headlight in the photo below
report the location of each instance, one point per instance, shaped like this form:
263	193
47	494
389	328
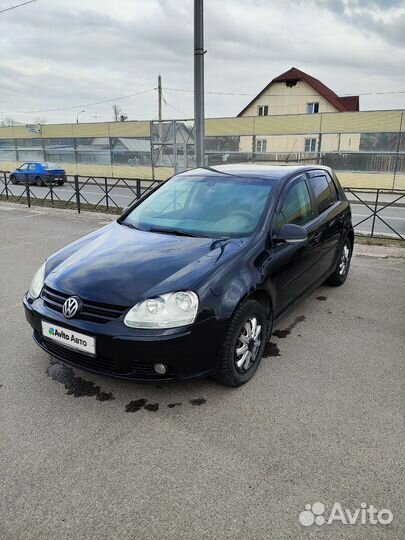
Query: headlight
166	311
37	282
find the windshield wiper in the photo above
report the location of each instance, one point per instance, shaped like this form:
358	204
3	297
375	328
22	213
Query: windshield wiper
129	225
176	232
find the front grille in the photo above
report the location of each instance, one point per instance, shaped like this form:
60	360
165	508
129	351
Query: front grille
101	364
91	311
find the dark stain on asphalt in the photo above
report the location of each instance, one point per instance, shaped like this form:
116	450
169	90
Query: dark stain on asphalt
282	333
104	396
271	349
287	331
136	405
76	386
197	402
172	405
322	298
152	407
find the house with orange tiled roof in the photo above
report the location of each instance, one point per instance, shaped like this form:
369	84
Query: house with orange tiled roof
296	92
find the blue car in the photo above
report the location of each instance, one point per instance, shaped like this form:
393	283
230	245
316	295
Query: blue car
39	173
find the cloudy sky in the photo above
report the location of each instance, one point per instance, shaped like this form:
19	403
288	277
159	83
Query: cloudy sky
69	54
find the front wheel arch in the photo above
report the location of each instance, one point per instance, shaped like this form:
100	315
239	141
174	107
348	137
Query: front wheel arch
263	297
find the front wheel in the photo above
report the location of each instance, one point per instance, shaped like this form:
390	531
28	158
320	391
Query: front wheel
13	179
244	344
39	181
342	266
61	182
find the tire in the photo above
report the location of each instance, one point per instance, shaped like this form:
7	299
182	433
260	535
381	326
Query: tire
13	179
39	181
341	272
242	325
61	182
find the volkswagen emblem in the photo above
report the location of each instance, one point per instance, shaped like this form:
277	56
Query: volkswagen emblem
71	307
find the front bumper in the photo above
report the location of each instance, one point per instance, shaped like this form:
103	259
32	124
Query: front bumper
130	353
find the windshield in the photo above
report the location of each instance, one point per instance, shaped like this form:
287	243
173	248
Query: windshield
204	206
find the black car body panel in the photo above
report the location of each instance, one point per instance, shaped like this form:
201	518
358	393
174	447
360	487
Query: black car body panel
117	266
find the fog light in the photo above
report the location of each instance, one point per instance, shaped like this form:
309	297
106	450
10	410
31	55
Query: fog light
160	369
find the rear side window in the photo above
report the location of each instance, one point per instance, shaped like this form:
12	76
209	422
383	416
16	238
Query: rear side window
333	190
296	207
324	192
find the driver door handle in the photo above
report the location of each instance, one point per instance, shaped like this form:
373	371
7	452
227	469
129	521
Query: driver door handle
317	237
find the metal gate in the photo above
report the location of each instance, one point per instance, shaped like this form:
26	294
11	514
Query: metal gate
172	143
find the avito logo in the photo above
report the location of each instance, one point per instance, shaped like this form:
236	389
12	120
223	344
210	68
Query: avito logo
51	331
366	514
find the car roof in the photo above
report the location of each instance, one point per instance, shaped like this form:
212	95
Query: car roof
272	172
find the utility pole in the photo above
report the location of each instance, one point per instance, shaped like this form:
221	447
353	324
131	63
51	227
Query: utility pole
160	98
199	82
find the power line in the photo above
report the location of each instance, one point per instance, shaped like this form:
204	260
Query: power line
175	108
18	5
283	95
83	104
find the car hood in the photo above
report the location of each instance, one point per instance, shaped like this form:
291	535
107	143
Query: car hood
118	265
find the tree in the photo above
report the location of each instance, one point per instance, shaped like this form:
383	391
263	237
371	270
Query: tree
117	111
118	114
7	121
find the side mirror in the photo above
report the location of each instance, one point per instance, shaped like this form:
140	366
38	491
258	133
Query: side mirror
291	234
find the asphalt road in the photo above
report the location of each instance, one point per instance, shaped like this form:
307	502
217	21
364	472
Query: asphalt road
122	196
322	421
393	215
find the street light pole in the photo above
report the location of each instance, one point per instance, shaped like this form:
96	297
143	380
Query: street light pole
77	115
199	82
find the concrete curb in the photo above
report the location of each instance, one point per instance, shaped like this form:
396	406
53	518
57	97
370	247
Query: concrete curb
381	252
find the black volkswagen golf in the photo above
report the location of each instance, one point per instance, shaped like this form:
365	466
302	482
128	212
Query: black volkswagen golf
189	280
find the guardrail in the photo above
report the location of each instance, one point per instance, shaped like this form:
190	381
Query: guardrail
78	192
376	201
376	212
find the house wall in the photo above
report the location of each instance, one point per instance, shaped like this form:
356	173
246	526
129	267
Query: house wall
281	100
331	142
284	100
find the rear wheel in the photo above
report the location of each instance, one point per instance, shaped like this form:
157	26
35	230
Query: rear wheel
13	179
39	181
61	182
244	344
343	265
